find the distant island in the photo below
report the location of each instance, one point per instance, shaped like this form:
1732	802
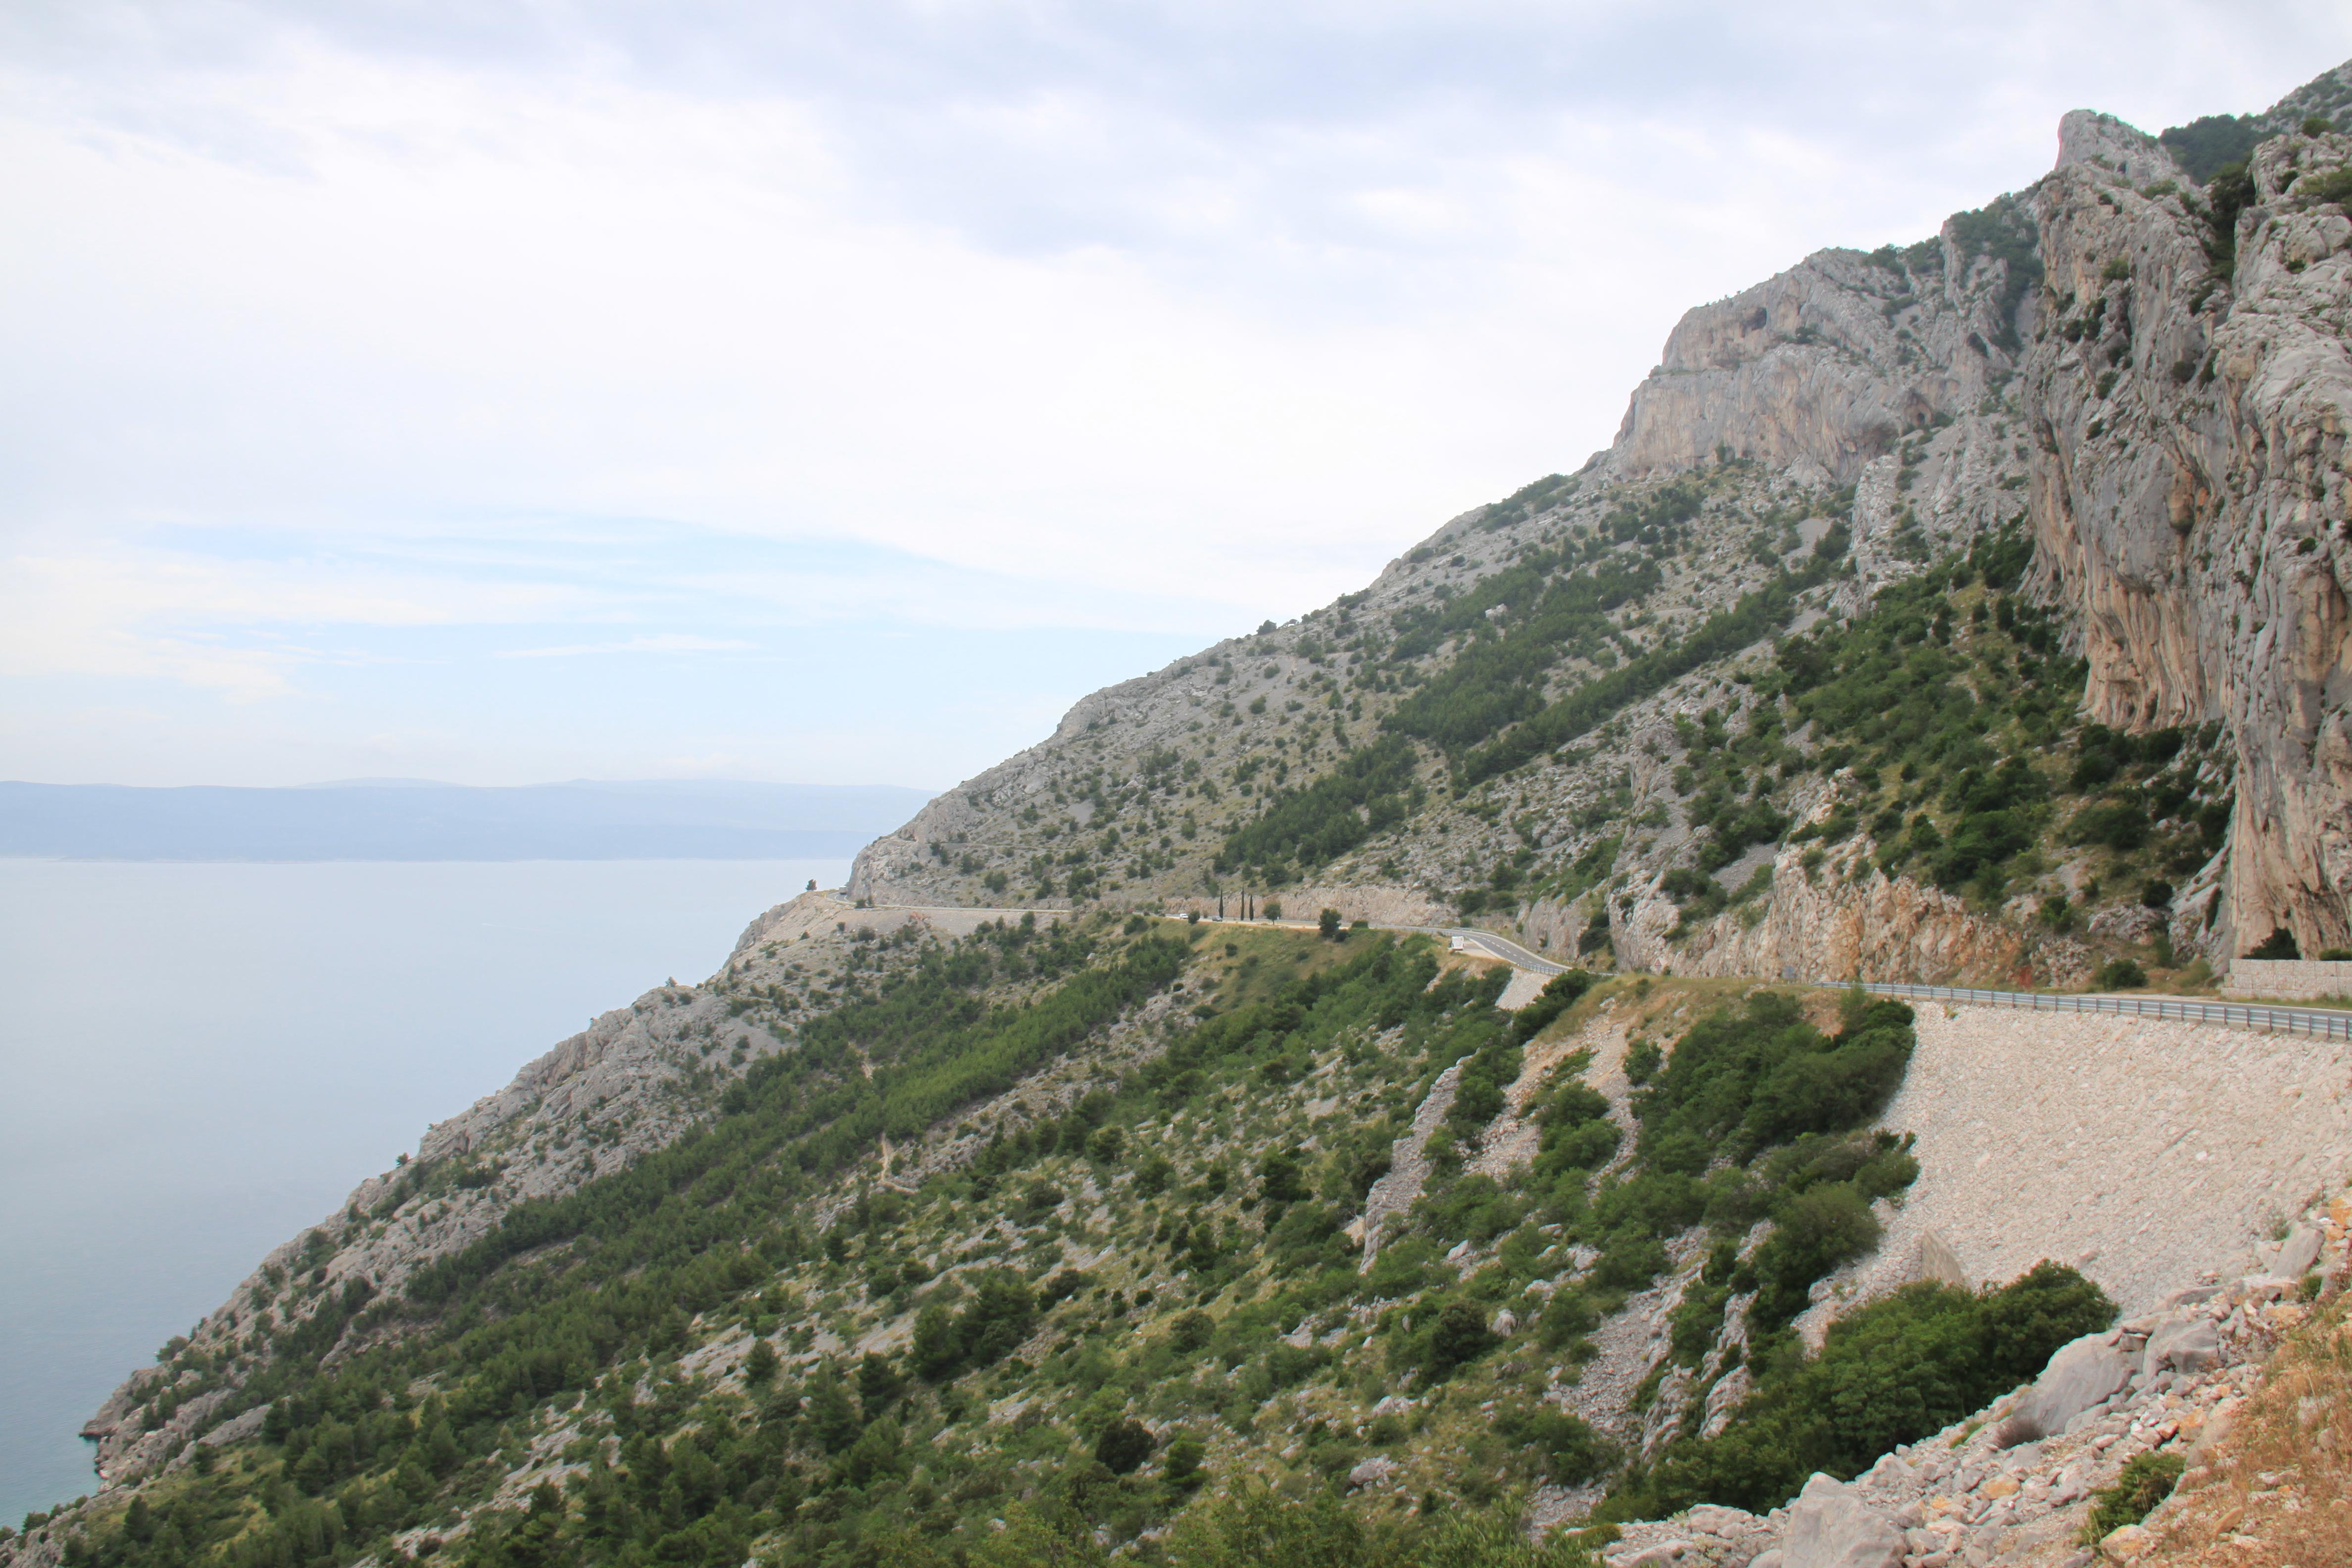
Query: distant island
372	819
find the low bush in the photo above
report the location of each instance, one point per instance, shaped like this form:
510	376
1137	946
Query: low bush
2279	945
1569	1452
2147	1479
2121	975
1560	993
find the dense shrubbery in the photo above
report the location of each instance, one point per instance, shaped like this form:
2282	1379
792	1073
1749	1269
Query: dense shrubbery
563	1292
1560	993
1757	616
1958	720
1372	791
1497	678
2211	142
1258	1529
1894	1372
1758	1084
1764	1087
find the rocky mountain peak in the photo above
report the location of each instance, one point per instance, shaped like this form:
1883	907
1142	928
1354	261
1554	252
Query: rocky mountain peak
2085	136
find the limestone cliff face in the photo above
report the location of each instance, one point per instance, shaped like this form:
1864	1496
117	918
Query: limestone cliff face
2180	407
2189	498
1823	366
1843	918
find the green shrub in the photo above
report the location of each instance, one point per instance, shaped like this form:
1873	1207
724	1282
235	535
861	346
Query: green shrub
1813	1232
1560	993
1474	1208
1191	1331
2121	975
1982	839
2279	945
2019	1325
1569	1451
1123	1447
1181	1461
1583	1143
1458	1337
997	1317
2119	826
1567	1317
2147	1479
2335	185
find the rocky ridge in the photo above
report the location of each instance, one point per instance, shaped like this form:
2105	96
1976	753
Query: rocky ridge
2149	374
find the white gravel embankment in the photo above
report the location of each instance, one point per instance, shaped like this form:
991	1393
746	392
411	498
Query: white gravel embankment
2142	1152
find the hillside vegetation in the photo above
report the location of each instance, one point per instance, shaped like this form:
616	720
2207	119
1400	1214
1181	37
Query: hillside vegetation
752	1343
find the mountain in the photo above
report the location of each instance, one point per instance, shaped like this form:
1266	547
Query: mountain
1968	609
411	819
1973	609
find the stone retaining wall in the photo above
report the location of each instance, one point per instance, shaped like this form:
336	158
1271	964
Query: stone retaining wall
2299	978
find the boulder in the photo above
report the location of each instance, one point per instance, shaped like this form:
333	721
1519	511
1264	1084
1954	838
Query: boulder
1939	1263
2081	1375
1656	1556
2191	1343
1715	1518
1372	1472
2297	1253
1831	1527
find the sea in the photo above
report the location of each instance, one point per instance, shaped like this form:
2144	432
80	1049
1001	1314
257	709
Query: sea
198	1060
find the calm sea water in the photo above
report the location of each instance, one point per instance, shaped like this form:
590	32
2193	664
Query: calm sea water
198	1060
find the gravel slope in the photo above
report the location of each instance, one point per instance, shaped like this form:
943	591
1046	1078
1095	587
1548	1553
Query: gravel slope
2141	1152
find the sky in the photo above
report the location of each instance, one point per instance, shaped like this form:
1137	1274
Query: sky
500	393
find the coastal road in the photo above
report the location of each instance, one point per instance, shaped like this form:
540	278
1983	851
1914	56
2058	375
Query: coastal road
2319	1023
961	920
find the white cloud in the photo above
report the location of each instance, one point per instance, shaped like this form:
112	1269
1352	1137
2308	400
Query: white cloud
660	643
236	627
1142	321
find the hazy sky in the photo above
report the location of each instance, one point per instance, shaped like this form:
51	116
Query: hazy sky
834	392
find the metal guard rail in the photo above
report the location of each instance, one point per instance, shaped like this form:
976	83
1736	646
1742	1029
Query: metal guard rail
2318	1023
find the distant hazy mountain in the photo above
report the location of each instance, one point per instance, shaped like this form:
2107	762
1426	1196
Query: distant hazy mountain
407	819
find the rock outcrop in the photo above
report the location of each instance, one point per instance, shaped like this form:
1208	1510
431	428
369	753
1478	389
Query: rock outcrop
1843	918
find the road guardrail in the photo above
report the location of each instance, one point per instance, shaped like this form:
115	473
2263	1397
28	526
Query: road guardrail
2316	1022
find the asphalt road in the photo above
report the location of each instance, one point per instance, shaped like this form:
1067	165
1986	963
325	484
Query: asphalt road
2320	1023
